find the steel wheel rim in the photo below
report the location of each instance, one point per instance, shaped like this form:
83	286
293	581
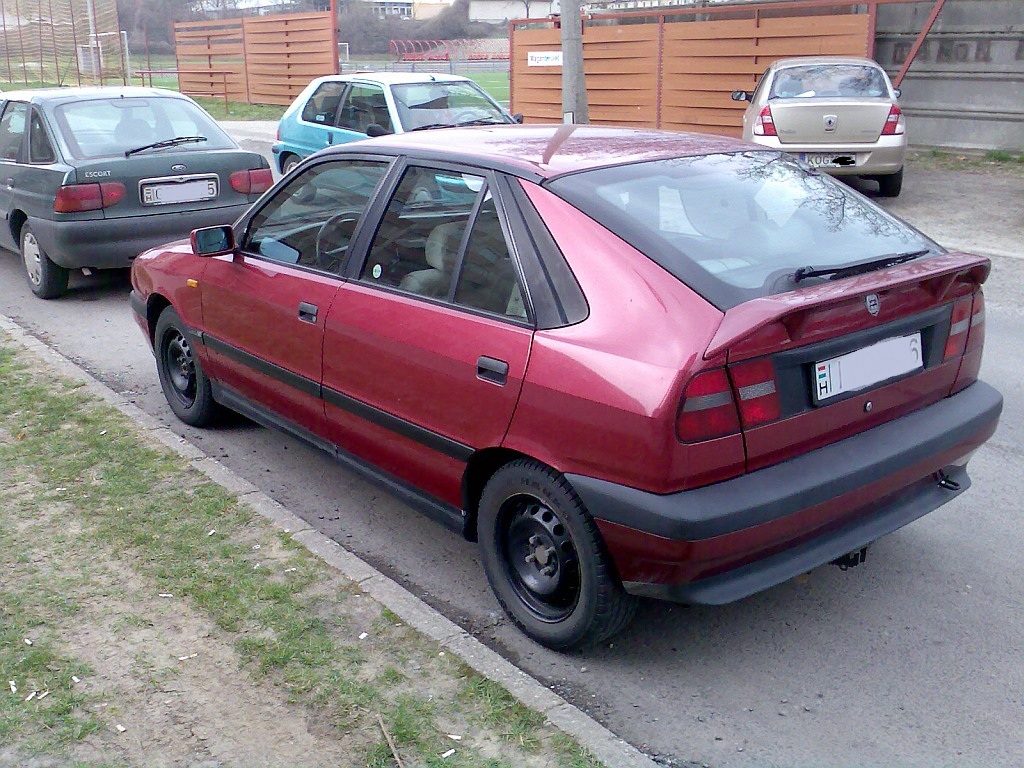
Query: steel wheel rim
539	558
181	368
33	259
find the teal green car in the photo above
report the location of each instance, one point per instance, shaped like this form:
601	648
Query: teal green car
337	109
94	176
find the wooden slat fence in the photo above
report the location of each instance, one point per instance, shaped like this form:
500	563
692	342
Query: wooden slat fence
270	59
677	71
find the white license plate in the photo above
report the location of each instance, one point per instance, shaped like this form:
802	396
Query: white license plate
867	366
180	191
817	161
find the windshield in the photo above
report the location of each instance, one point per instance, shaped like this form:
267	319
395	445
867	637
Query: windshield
445	103
829	80
735	227
112	126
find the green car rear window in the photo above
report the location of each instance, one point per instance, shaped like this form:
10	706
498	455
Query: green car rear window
112	126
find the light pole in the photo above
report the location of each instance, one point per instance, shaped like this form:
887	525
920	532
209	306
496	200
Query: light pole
574	87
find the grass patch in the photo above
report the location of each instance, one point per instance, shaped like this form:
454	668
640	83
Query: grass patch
92	516
992	161
1002	156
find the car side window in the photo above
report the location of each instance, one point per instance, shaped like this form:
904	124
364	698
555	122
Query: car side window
312	220
488	279
760	86
12	130
322	107
40	149
422	247
365	105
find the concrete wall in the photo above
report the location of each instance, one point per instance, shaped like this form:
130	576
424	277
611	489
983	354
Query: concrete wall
965	88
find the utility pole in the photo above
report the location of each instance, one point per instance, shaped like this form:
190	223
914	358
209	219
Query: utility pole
574	87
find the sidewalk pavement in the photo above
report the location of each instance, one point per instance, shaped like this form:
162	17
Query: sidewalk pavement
602	743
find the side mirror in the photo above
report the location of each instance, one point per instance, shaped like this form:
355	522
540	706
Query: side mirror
518	117
898	92
742	95
373	130
213	241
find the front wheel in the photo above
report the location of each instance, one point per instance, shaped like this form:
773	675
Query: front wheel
545	559
46	279
185	386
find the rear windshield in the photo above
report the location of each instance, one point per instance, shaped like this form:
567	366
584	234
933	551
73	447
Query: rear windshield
827	81
735	227
111	126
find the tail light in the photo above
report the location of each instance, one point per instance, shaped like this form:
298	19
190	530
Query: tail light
959	329
708	409
895	124
976	335
764	125
966	337
75	198
756	392
252	182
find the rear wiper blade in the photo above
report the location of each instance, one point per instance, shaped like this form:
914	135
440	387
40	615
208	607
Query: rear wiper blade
837	273
166	143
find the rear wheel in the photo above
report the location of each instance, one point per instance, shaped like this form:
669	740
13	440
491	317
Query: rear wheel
46	279
545	559
185	386
289	163
891	185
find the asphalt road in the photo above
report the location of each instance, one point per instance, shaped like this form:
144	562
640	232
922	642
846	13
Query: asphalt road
913	659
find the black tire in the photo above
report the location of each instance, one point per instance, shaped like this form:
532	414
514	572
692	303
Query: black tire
185	386
891	185
545	559
46	279
289	163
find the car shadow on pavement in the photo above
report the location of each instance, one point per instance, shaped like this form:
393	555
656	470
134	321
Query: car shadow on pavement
98	284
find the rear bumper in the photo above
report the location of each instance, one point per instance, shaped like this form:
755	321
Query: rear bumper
884	157
113	243
725	541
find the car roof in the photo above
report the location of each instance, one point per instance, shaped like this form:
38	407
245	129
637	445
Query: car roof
546	151
394	78
76	93
805	60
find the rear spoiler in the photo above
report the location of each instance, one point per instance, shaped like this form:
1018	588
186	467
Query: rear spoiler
938	275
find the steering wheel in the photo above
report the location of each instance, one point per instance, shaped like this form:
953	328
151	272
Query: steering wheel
330	251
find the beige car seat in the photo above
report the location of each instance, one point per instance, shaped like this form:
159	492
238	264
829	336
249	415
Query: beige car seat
441	250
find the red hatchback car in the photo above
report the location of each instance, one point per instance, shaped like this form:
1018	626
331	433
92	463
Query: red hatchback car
628	363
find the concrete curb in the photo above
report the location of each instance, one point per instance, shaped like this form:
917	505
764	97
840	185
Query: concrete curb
601	742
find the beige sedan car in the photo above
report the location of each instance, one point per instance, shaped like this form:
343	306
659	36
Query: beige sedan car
835	113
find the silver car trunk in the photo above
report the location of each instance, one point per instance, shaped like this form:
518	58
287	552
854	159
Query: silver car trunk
829	120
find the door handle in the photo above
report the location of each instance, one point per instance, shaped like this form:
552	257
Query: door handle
307	312
494	371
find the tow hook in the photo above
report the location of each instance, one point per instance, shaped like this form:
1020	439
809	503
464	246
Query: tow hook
851	559
945	481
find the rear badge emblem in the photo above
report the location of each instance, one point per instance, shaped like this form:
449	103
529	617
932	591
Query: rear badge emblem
871	302
179	167
831	121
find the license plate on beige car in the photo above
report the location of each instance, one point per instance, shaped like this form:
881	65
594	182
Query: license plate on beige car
817	160
179	190
869	365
